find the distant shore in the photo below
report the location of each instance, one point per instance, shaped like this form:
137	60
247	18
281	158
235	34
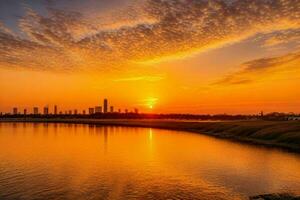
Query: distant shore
281	134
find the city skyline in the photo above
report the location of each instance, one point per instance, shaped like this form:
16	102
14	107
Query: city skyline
46	110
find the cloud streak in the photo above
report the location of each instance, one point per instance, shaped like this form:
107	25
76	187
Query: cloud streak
250	71
63	40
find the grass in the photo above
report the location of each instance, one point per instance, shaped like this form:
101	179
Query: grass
275	197
283	134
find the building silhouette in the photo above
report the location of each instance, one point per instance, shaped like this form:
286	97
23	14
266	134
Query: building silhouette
106	109
46	110
55	110
261	113
105	106
91	111
136	111
15	111
98	109
35	110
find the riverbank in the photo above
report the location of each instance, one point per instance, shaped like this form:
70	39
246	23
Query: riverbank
282	134
275	197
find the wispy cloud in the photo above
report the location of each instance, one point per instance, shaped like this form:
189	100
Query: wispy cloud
250	71
282	38
63	40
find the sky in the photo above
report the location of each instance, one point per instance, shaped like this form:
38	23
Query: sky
162	56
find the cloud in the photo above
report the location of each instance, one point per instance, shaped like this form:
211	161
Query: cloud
282	38
252	70
64	40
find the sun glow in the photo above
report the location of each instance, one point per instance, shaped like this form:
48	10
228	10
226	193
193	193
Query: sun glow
151	102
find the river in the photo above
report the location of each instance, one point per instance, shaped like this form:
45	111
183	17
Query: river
74	161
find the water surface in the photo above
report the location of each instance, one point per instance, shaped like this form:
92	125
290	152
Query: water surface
65	161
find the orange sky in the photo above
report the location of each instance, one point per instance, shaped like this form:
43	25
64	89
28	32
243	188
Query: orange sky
181	57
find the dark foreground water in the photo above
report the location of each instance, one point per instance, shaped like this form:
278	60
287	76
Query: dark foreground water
74	162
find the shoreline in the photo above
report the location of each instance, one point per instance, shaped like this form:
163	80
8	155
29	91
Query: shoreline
276	134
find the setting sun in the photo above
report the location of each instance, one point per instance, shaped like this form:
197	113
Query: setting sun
151	102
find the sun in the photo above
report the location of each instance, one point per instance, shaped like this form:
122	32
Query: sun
150	102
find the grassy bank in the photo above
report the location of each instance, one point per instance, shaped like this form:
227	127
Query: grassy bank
275	197
283	134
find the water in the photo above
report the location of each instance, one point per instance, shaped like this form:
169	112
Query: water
63	161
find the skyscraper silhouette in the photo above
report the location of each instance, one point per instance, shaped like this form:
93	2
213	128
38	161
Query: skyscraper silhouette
105	106
55	110
136	111
98	109
35	110
25	111
15	111
91	111
46	110
111	109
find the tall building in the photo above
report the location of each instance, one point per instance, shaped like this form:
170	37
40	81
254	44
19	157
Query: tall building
46	110
35	110
119	110
55	110
91	111
70	112
83	112
75	112
126	111
105	106
98	109
111	109
25	111
15	111
136	111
